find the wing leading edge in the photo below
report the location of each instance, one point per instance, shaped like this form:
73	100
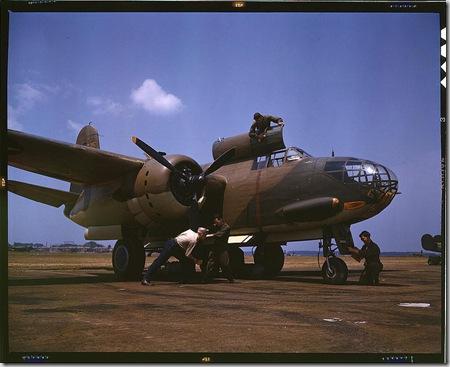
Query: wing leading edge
68	162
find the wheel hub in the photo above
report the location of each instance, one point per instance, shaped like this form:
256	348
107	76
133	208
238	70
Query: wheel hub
331	273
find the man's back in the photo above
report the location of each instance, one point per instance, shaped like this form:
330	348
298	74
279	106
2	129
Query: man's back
371	252
187	240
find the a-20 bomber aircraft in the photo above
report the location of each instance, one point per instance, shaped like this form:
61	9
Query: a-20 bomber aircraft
268	194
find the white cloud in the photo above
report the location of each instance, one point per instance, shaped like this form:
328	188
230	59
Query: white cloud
27	96
13	123
103	106
153	98
75	126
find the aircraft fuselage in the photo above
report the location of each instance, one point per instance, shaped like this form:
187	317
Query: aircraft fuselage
258	198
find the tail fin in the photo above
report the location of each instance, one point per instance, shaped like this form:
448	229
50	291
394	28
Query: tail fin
88	136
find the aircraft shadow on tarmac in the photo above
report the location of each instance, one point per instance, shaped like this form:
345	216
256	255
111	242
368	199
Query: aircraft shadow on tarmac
91	278
285	276
316	277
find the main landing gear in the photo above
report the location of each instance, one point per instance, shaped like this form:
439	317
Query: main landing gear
128	259
268	259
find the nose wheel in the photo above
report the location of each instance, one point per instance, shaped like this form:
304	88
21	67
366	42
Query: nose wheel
334	271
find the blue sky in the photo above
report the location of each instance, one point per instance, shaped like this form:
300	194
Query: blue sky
365	85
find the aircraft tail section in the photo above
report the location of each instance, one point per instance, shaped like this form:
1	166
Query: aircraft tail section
88	136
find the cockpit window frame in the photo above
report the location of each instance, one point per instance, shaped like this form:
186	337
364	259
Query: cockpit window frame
362	172
277	159
279	156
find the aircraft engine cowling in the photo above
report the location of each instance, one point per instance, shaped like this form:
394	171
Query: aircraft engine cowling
161	196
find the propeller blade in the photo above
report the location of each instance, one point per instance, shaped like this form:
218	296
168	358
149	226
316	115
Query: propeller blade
154	154
220	161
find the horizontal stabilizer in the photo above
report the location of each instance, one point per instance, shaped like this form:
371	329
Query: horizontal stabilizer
41	194
311	209
430	243
69	162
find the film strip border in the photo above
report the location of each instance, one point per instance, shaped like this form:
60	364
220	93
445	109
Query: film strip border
444	57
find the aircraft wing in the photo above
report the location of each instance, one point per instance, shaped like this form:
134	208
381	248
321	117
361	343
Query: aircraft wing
68	162
41	194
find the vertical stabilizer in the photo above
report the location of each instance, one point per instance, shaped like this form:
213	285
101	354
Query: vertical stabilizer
88	136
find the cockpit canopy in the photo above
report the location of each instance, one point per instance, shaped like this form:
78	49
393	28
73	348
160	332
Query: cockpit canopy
363	172
280	157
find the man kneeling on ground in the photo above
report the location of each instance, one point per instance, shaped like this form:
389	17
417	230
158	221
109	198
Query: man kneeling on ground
179	247
372	265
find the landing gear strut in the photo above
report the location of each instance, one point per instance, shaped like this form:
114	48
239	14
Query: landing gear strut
334	270
128	259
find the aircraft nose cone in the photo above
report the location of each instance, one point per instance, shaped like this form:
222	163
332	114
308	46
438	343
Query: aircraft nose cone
375	181
382	181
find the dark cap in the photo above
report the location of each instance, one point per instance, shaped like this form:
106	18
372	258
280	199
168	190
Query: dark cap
257	115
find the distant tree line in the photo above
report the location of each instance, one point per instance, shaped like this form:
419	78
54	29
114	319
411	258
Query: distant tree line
90	246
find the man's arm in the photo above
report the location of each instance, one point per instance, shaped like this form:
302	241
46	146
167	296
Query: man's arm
194	259
224	231
278	120
355	252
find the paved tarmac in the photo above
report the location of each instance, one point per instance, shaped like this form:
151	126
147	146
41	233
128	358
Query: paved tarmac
71	303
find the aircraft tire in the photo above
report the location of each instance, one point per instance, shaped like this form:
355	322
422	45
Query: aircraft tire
128	259
271	257
338	273
237	263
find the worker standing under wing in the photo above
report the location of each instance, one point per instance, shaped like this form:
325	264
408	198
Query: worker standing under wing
218	252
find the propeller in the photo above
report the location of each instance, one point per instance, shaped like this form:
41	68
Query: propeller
154	154
220	161
186	179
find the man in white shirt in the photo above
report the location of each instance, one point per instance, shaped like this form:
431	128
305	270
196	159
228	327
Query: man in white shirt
180	247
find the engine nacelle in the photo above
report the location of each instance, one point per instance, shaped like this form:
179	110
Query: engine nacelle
161	196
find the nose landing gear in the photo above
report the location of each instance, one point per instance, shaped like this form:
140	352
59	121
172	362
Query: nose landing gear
334	269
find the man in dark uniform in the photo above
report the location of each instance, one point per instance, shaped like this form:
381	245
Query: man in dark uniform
372	265
218	252
261	124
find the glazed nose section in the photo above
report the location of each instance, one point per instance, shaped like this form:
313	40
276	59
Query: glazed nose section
380	180
376	181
